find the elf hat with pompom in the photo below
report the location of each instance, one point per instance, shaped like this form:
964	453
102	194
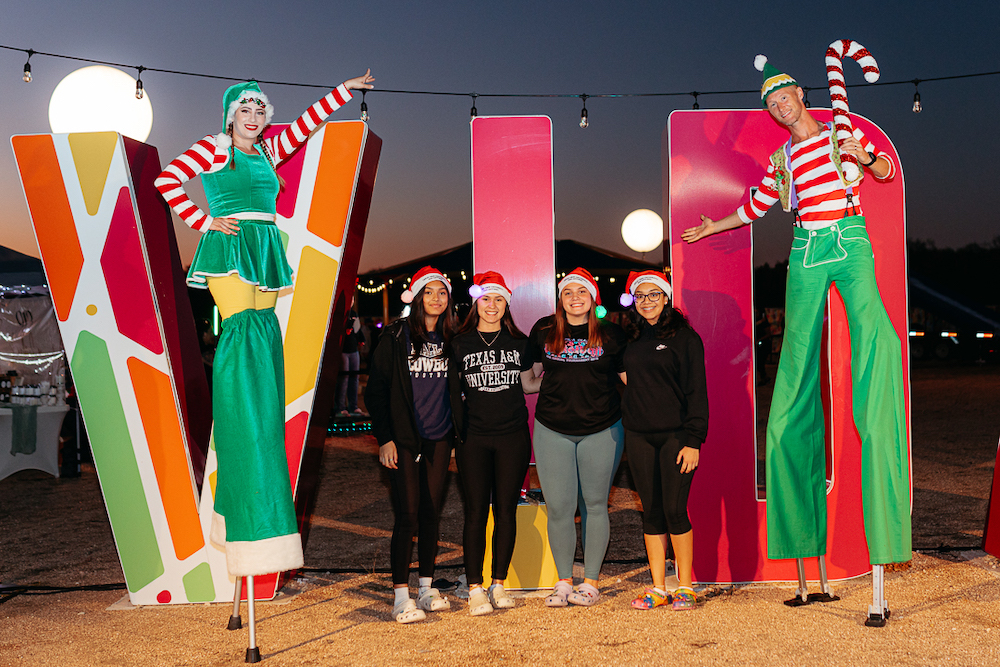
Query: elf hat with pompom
489	282
773	79
239	94
581	276
421	279
638	278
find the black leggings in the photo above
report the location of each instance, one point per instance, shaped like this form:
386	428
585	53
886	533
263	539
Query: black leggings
491	466
662	489
418	491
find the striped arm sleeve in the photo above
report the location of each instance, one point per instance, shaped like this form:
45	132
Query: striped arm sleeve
283	145
195	160
870	147
761	201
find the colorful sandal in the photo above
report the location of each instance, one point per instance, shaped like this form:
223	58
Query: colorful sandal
684	599
651	599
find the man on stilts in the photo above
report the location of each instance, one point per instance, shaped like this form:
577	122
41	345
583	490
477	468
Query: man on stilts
830	245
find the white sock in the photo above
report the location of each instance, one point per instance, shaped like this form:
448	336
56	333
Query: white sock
425	584
402	595
476	588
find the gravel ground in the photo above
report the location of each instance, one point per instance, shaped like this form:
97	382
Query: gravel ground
337	612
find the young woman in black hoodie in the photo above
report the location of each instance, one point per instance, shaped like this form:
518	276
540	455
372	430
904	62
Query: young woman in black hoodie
665	414
409	396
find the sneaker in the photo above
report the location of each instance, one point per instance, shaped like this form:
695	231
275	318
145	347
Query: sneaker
684	599
500	598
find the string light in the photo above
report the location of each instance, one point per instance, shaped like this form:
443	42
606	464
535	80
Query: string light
473	112
27	67
695	106
364	107
917	106
138	83
584	121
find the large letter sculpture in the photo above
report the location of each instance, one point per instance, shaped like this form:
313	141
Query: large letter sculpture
108	246
711	160
513	233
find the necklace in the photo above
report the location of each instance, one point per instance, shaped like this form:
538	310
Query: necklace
489	344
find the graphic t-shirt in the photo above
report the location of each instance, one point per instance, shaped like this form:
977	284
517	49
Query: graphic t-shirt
491	380
429	375
579	393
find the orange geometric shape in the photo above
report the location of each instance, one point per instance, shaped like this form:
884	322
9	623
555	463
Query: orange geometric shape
307	322
337	169
51	216
158	410
92	153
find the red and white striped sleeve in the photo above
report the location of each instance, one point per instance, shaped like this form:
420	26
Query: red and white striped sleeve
199	158
762	200
870	147
284	144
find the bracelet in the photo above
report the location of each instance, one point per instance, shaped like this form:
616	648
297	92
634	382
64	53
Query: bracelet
868	164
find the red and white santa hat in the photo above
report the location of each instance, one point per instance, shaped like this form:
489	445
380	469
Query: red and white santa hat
581	276
421	279
489	282
636	278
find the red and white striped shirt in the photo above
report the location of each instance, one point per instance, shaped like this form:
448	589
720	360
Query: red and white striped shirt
822	195
207	156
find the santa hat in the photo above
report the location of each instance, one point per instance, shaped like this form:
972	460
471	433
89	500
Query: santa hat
421	279
237	95
581	276
489	282
638	278
773	78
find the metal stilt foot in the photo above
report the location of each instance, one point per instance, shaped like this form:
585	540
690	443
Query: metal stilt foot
235	622
878	612
801	593
826	594
253	653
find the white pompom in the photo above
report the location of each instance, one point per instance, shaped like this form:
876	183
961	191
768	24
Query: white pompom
871	77
406	297
223	140
759	62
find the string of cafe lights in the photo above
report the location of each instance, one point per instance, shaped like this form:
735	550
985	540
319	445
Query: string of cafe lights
474	96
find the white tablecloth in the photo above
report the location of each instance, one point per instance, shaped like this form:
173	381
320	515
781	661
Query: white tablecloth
46	456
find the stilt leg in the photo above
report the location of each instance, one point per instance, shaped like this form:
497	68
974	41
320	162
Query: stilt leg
235	622
253	653
801	593
878	612
826	591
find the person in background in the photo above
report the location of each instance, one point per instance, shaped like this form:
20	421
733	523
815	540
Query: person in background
350	366
665	414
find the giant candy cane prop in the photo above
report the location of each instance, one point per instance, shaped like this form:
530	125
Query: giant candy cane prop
838	95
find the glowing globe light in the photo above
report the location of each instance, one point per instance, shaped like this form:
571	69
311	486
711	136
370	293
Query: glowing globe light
100	99
642	230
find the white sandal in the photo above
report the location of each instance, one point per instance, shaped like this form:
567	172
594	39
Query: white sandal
500	598
585	595
479	604
407	612
560	593
431	600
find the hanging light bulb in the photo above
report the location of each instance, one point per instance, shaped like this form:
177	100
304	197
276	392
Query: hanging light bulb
917	106
138	84
584	120
473	112
27	67
364	107
695	106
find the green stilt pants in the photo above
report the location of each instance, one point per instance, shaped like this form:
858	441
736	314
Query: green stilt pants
796	457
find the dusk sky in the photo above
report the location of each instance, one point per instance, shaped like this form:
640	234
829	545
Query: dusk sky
422	200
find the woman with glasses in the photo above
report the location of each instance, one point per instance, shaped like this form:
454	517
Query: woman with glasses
665	414
578	438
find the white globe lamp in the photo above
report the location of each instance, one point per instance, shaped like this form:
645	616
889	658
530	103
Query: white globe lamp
642	230
100	99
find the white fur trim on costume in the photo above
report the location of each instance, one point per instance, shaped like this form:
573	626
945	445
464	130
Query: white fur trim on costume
275	554
223	140
235	104
759	61
217	534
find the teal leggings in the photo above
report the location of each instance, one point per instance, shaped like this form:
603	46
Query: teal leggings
576	472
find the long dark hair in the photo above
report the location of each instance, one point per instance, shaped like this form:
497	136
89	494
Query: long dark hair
555	342
671	321
472	321
445	327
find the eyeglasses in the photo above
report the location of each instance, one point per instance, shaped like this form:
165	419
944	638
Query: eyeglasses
652	296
